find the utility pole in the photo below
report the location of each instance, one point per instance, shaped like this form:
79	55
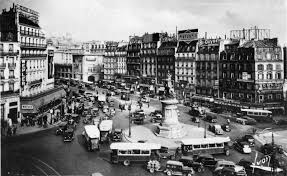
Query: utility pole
130	120
204	129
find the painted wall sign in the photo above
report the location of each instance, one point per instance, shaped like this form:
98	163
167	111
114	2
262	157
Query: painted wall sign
209	41
188	35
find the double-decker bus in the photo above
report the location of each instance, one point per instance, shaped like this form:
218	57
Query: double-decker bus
213	145
133	152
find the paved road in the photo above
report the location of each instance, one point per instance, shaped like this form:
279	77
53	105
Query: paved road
44	153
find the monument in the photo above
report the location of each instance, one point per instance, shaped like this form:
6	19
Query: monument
170	127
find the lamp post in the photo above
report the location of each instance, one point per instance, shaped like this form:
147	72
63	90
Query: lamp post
129	108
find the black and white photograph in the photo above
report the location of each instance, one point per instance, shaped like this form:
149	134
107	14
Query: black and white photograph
143	87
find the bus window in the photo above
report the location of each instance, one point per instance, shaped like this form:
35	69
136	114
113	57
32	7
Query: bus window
136	152
196	146
129	152
145	152
256	113
123	152
264	114
211	145
204	146
249	113
219	145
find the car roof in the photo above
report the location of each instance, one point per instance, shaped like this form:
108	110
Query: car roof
187	158
225	162
92	131
199	141
172	162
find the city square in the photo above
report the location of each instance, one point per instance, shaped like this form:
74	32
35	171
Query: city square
185	102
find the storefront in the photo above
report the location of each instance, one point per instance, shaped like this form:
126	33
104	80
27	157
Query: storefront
41	102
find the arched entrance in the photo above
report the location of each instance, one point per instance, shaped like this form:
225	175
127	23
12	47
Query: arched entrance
91	78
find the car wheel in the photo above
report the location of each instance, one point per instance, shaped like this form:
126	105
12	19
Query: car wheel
199	169
189	174
151	170
168	173
126	163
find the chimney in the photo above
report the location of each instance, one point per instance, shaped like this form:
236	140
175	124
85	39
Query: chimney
243	33
225	36
205	36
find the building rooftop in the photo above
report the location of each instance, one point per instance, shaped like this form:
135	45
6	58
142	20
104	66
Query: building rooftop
24	20
266	43
184	47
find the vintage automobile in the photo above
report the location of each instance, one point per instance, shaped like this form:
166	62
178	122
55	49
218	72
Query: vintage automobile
137	119
188	161
216	129
226	127
68	135
195	120
153	165
242	146
165	153
117	135
177	168
225	171
156	119
63	126
155	113
239	170
250	139
268	148
206	160
211	118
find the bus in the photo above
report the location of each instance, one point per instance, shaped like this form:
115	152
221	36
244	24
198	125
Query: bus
259	115
126	152
91	136
213	145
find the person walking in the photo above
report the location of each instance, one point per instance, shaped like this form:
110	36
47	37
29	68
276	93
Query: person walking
14	129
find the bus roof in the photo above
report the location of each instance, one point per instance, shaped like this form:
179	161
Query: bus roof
106	125
132	146
256	110
198	141
92	131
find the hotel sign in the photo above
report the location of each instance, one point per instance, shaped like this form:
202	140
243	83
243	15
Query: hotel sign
23	73
268	86
209	42
188	35
27	107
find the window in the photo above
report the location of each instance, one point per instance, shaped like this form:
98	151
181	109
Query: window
196	146
11	73
278	96
2	74
270	67
11	86
270	97
219	145
204	146
137	152
278	75
278	67
211	145
260	76
269	75
260	67
123	152
145	152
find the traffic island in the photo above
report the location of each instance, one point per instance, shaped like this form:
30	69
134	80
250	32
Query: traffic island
147	133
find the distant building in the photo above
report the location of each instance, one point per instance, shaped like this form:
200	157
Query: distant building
121	60
252	74
185	64
110	61
21	24
63	59
207	70
148	58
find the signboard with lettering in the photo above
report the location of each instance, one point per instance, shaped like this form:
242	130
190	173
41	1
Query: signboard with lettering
27	107
209	42
23	73
188	35
268	86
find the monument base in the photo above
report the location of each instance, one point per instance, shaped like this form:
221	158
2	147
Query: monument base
170	131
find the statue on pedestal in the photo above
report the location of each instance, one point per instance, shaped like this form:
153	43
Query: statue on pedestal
169	90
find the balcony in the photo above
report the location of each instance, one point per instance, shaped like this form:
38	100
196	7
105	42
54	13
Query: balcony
9	53
11	77
33	45
33	55
11	66
3	65
35	82
33	34
9	93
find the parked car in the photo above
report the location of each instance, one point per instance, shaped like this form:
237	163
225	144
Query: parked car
157	118
68	135
211	118
239	170
225	171
216	129
140	112
188	161
177	168
226	128
242	146
137	118
117	135
165	153
63	126
268	148
155	112
250	139
206	160
246	120
195	120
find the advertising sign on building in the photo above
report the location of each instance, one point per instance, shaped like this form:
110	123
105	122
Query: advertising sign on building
188	35
209	42
23	73
27	107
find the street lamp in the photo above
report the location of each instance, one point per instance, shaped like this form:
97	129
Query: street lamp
129	108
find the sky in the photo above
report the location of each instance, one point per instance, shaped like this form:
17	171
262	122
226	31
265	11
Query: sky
89	20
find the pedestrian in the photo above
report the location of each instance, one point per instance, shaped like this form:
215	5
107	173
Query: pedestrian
228	121
14	129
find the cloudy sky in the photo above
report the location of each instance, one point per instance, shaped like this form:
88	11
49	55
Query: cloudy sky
118	19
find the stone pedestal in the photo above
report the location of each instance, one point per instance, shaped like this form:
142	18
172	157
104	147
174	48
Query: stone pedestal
170	128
